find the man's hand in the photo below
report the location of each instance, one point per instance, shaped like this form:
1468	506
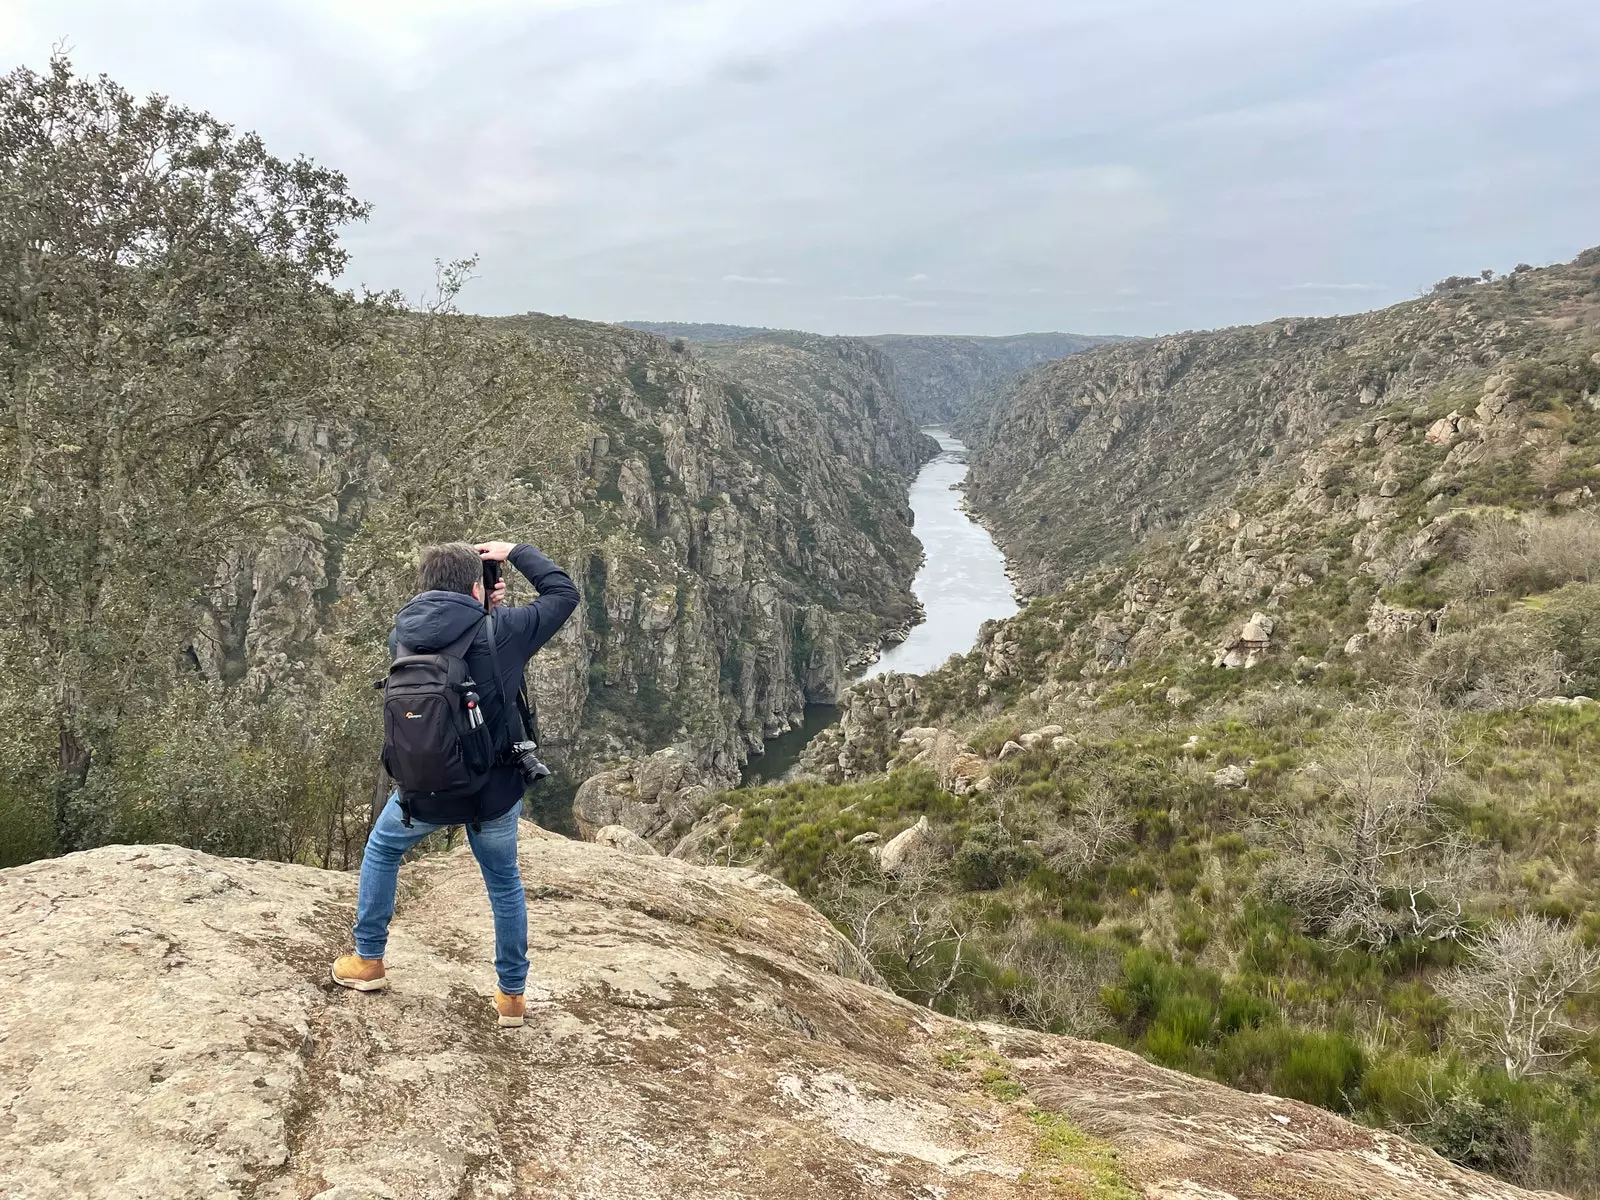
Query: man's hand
495	551
499	596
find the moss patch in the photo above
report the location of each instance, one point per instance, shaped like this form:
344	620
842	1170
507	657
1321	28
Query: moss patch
1074	1164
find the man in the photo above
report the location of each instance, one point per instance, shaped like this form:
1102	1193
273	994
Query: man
452	602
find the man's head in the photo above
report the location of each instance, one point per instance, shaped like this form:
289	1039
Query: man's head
452	567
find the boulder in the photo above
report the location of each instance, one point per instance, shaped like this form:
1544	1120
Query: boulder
647	796
1011	748
693	1031
965	772
903	845
1231	776
1387	620
707	835
619	837
1443	431
1250	647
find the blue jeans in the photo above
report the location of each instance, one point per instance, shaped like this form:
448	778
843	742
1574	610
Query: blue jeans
494	845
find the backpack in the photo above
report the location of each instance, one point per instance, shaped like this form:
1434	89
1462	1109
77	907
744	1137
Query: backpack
435	741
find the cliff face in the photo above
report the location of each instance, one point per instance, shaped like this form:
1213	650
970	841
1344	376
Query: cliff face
942	377
168	1031
746	538
1079	459
737	525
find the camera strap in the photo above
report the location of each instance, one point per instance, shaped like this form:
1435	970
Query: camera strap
523	706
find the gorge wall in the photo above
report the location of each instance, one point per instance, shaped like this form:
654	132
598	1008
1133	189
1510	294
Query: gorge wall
1079	459
736	522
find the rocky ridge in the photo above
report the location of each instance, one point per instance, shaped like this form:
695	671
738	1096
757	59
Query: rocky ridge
1080	459
692	1031
940	374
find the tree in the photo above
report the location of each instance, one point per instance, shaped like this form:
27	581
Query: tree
1097	826
1373	858
217	467
1516	992
167	322
905	921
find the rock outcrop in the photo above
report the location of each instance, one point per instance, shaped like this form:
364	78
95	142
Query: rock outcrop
873	715
648	796
168	1030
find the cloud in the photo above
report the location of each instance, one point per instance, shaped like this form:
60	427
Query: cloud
1010	166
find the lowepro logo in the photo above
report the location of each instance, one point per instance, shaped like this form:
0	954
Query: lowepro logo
411	716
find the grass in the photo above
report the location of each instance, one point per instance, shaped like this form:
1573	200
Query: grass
1074	1164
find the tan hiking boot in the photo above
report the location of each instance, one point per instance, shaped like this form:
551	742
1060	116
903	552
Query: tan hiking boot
361	974
510	1009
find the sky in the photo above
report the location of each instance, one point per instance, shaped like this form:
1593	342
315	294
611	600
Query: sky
870	166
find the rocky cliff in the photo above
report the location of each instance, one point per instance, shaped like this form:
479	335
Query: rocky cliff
168	1031
747	538
737	524
1079	459
943	377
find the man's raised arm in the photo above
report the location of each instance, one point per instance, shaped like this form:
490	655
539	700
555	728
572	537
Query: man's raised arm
532	625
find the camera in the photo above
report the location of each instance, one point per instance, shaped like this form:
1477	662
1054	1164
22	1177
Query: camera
525	757
491	578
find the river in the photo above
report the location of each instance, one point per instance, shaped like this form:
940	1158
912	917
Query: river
962	583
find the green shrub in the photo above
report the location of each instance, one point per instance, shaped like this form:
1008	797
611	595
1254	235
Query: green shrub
989	858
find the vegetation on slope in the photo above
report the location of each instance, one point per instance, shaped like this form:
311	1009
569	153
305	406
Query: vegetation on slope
1360	871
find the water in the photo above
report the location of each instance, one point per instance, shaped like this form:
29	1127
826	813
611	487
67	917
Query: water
783	751
962	582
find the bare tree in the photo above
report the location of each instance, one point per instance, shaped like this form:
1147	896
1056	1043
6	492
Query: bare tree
1516	991
1057	989
906	922
1374	859
1097	826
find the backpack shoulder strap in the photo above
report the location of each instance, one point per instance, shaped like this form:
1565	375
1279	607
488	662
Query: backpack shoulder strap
499	684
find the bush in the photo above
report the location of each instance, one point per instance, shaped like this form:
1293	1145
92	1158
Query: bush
989	858
1517	557
1322	1069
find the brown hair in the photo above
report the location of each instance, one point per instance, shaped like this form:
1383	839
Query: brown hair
452	567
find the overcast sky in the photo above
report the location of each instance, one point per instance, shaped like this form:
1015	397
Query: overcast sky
862	166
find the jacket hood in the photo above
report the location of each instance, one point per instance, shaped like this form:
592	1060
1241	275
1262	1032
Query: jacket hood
432	620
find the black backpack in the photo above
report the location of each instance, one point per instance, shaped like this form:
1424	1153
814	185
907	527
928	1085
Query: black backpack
435	741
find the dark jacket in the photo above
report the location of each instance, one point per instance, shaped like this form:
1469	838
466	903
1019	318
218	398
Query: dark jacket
432	620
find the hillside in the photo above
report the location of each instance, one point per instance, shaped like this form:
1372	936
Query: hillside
940	376
693	1032
1295	788
1079	459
